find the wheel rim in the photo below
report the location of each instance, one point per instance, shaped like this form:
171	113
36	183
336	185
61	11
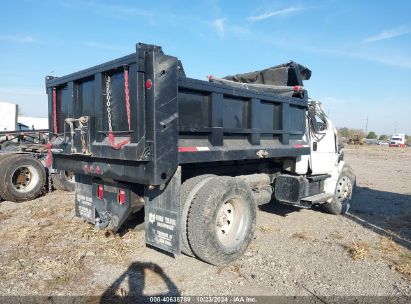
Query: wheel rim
344	189
24	179
69	176
231	223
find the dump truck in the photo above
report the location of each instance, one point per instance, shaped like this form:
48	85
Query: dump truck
199	156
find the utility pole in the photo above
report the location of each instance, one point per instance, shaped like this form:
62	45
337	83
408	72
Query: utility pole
366	126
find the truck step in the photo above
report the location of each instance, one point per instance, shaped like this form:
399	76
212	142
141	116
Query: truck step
317	198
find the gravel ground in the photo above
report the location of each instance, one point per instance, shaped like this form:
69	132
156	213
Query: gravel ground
45	251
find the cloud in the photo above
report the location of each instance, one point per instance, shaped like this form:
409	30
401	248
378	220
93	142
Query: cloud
219	26
285	11
396	57
390	33
18	39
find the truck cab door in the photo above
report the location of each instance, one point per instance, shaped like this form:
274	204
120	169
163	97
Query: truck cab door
324	148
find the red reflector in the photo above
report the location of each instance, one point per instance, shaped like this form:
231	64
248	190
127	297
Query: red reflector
187	149
100	192
149	84
296	88
298	146
121	196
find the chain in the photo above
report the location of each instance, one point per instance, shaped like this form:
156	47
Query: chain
108	104
50	188
83	141
50	183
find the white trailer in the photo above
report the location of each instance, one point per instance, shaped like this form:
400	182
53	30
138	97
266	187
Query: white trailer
34	123
8	116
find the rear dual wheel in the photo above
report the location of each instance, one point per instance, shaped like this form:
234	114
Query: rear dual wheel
221	220
187	193
22	177
64	180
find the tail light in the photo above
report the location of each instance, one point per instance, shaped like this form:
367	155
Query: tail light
100	192
297	88
121	196
149	84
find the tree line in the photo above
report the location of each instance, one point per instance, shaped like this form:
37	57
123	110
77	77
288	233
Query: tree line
348	133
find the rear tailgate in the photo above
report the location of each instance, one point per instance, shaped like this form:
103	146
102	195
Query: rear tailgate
113	112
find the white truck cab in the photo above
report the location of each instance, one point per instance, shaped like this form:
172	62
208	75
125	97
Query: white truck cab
397	140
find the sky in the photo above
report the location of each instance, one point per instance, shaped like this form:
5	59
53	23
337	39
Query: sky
359	51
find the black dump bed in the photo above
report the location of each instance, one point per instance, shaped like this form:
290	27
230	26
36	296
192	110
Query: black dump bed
138	117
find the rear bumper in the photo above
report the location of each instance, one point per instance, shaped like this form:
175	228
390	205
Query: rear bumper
397	145
106	208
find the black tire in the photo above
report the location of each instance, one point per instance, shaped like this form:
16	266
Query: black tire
344	189
22	177
9	146
3	157
63	180
188	191
210	235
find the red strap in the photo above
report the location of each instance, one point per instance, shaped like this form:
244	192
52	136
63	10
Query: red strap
49	159
114	145
54	111
111	137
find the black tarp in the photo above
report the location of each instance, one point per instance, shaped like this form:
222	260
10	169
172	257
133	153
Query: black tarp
288	74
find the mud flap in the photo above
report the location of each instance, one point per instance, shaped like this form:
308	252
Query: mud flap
162	215
84	205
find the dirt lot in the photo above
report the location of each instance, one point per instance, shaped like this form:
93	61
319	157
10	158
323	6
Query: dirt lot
44	250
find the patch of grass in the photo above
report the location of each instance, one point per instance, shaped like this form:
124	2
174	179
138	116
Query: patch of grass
336	235
265	229
234	269
60	280
387	246
359	251
404	269
398	257
4	216
304	236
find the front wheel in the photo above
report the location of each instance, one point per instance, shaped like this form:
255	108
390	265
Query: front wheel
340	203
221	220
